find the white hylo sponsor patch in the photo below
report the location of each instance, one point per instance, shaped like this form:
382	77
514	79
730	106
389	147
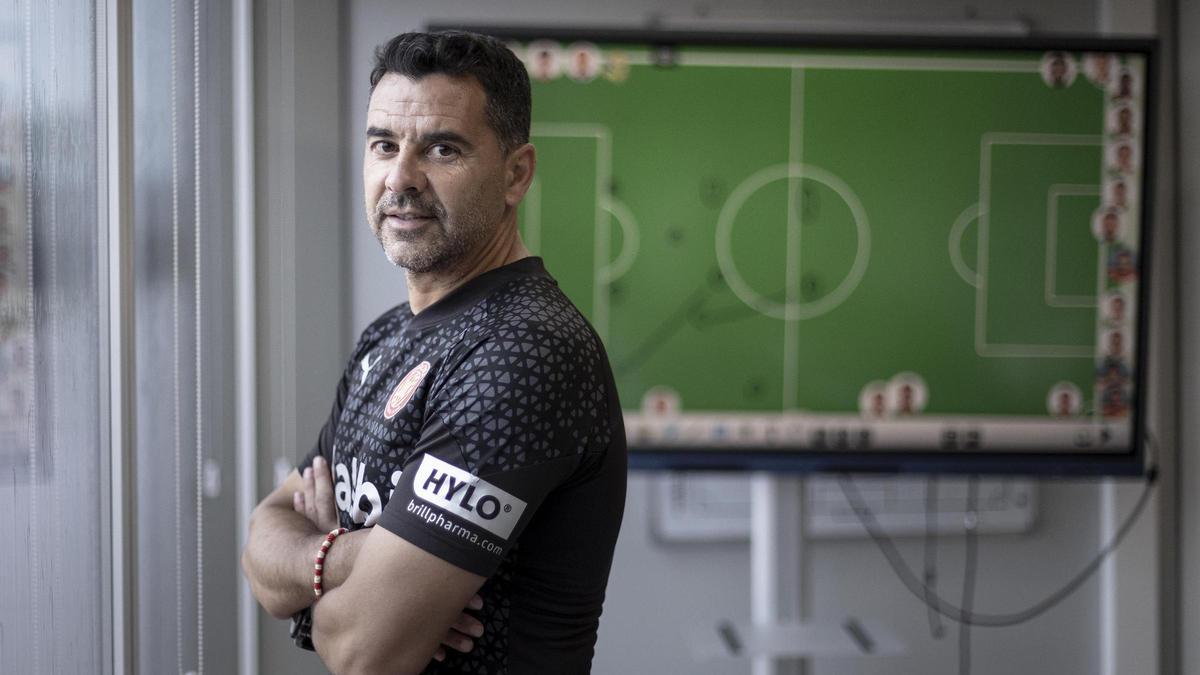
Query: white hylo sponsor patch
467	496
404	391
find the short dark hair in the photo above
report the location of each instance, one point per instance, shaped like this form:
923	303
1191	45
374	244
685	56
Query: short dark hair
457	53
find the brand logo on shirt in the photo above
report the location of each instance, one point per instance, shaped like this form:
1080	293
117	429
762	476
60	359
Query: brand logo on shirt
367	366
404	391
467	496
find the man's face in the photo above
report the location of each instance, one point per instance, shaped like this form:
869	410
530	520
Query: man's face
433	171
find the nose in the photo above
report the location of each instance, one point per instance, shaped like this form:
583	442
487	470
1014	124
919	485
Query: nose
405	174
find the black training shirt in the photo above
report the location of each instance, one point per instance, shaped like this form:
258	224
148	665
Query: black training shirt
487	431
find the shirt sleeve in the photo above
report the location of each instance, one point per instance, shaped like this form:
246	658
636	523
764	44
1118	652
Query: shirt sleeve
508	421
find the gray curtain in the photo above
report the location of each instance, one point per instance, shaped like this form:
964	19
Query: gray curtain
53	397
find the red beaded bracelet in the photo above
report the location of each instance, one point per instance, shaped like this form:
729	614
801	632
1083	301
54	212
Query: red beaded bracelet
319	565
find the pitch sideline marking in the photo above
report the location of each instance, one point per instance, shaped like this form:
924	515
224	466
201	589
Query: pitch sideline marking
841	63
1055	192
982	347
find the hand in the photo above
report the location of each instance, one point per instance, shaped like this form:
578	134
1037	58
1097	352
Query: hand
316	501
459	637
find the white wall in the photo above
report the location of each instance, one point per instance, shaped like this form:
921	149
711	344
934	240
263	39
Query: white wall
658	591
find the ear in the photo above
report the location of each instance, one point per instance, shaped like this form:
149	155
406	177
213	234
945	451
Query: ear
519	168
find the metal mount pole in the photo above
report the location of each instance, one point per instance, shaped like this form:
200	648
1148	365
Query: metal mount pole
777	563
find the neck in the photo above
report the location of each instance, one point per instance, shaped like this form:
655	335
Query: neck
426	288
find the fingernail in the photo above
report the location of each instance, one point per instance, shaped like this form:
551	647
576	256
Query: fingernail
476	603
477	631
307	471
319	461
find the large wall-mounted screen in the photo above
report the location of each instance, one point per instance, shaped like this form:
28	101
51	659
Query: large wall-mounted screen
853	254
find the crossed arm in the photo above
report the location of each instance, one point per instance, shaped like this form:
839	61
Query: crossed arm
388	605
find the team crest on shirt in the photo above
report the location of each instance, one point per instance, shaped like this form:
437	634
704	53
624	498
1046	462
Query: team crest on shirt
404	391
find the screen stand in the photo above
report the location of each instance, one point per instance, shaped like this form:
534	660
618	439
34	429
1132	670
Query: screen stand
777	565
778	639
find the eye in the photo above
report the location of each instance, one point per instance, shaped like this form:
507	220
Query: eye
383	147
443	151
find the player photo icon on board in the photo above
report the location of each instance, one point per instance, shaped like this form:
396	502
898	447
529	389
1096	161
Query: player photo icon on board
1120	265
1125	85
873	400
1064	400
907	394
661	402
1114	344
1123	157
1099	67
543	58
584	61
1058	69
1107	225
616	67
1115	308
1118	194
1122	120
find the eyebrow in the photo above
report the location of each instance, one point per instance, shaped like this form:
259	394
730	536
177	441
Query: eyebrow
431	137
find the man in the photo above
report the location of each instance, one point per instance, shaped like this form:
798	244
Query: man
476	444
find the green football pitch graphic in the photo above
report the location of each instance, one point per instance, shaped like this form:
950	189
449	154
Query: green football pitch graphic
759	236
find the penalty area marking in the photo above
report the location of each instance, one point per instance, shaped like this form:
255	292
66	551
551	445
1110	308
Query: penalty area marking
1004	350
603	237
791	311
1056	192
630	241
968	216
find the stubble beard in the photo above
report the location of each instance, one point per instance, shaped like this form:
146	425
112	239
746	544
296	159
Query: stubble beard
440	246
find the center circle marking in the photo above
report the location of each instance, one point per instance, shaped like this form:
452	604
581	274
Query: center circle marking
791	311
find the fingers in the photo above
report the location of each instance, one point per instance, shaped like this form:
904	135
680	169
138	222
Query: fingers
298	502
457	641
310	499
323	494
468	625
459	636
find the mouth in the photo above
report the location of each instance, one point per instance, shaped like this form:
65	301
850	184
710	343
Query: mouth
406	220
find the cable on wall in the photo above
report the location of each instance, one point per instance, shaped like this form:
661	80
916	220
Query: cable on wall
971	523
932	600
